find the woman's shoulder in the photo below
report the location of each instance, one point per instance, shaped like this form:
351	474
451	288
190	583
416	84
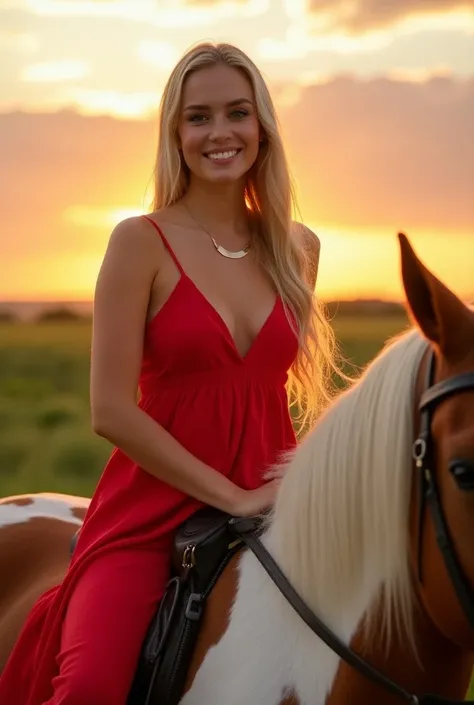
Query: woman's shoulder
140	235
131	231
139	226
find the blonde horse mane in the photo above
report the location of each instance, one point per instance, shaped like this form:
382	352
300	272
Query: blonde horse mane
340	523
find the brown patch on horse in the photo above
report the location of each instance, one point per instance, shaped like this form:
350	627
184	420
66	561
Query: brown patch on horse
34	556
79	512
216	617
20	501
445	670
29	549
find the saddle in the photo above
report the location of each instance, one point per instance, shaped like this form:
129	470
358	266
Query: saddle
203	546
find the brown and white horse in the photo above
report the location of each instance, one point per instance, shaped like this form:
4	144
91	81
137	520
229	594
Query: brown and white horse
348	530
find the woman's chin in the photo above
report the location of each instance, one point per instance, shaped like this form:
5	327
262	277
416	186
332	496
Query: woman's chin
223	176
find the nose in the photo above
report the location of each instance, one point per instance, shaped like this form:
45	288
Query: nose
219	129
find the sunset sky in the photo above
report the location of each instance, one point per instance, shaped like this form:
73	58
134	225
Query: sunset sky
375	97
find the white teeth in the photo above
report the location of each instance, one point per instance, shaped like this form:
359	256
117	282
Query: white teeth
222	155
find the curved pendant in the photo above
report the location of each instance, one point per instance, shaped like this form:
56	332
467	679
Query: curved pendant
231	255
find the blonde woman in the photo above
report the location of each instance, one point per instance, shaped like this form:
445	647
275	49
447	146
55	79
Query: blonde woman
207	305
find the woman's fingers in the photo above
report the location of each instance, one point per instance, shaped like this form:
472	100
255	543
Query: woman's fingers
275	473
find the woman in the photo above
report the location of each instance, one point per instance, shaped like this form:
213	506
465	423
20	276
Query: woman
207	304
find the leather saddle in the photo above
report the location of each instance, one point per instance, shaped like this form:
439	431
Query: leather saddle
203	547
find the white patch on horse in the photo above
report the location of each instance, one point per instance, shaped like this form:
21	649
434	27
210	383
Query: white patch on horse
42	505
267	652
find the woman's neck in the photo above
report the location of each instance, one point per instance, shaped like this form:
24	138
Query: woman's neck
219	206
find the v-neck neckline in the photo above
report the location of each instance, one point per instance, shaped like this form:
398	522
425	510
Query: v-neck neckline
223	324
184	277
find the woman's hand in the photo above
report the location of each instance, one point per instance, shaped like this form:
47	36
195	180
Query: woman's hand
253	502
277	472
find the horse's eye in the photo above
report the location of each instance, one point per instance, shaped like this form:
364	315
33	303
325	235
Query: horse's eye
463	472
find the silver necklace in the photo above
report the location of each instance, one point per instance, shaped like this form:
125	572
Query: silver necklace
238	254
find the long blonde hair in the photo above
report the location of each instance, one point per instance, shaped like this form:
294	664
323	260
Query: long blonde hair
270	198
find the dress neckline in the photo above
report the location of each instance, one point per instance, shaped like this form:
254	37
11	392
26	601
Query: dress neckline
185	279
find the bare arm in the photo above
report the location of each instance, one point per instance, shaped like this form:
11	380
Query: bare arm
122	294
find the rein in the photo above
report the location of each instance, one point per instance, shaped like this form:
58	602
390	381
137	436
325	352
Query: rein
246	529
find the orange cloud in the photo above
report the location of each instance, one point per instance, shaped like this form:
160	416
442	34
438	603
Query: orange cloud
379	154
59	164
362	15
385	153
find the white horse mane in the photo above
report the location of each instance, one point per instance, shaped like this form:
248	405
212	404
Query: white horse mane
339	529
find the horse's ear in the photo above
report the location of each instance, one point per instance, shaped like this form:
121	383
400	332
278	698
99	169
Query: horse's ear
437	311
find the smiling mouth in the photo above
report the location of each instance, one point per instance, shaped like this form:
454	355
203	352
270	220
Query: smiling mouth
223	155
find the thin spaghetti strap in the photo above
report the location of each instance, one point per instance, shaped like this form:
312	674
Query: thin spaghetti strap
166	243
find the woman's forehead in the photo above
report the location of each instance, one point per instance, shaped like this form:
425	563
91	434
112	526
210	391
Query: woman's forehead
216	85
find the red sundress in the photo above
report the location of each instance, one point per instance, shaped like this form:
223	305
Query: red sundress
230	411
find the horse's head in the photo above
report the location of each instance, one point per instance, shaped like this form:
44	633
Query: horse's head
443	506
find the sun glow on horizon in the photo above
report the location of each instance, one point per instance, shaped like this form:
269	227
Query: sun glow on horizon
354	263
364	263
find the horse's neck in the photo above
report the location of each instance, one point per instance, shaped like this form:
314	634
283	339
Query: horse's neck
442	667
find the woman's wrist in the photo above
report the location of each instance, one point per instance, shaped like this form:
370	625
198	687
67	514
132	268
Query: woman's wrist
231	498
235	500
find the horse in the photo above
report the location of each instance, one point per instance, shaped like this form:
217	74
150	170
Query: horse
370	534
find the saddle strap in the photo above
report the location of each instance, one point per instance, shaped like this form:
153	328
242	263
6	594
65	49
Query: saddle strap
244	528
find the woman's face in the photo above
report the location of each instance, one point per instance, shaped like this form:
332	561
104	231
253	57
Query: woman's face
218	130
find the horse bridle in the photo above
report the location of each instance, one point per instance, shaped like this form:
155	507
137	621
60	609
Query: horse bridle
429	495
423	453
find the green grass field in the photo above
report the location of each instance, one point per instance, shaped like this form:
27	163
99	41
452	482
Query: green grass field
46	443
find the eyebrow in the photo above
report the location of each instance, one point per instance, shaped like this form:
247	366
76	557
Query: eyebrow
238	101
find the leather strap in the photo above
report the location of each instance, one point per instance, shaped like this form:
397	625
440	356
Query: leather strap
458	578
428	487
442	390
245	529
